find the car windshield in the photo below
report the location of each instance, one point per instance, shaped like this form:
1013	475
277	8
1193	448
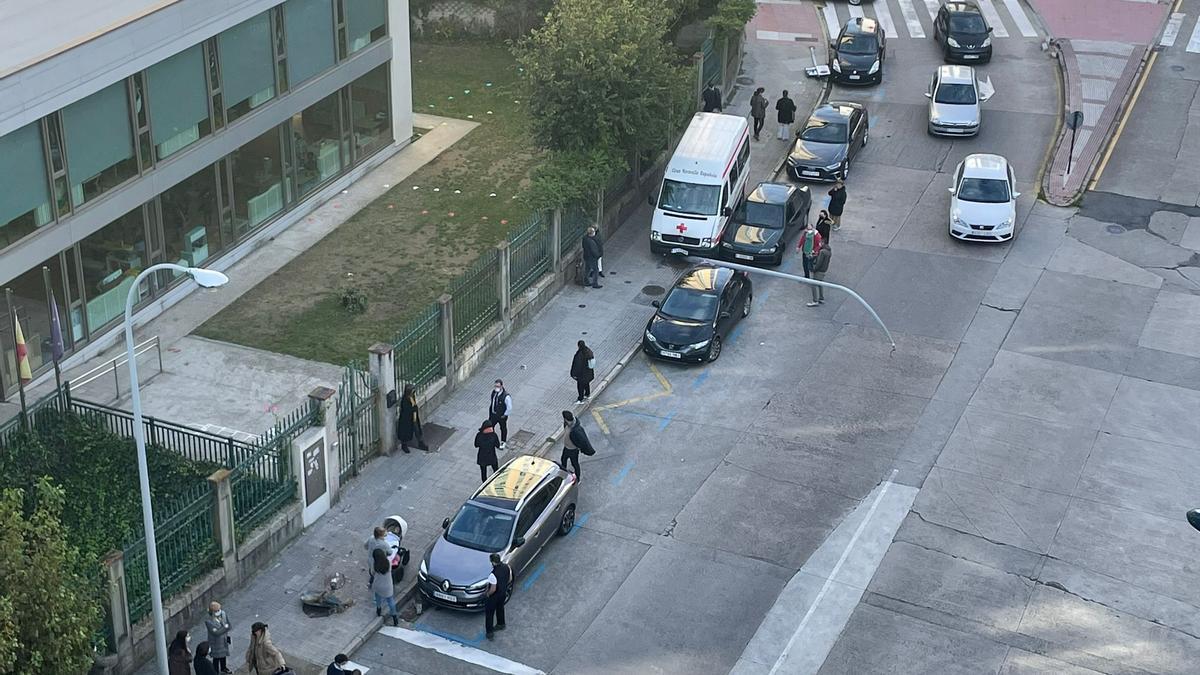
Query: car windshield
955	94
481	529
967	23
690	304
857	43
680	197
986	190
763	215
821	131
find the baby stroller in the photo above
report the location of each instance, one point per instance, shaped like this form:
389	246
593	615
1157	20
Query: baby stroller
396	528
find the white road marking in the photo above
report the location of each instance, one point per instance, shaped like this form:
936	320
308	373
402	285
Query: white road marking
1172	30
932	6
856	11
459	651
910	19
831	20
1018	14
1193	44
993	18
884	17
784	37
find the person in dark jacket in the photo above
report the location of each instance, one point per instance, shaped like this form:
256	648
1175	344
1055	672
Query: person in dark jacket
217	626
499	410
486	444
201	664
575	441
341	666
824	222
497	592
712	98
179	657
583	371
758	110
592	251
837	202
785	113
408	424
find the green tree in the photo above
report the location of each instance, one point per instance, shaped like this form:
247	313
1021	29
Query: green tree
731	16
49	611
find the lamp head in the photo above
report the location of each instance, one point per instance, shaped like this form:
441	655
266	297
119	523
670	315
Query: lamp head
208	278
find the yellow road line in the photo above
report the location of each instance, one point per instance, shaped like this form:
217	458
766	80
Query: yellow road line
1112	142
662	380
600	422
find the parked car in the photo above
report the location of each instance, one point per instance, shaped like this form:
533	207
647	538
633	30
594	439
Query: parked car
983	199
831	137
954	97
858	53
764	223
963	32
514	513
697	313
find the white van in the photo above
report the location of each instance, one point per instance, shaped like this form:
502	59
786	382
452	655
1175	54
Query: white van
704	182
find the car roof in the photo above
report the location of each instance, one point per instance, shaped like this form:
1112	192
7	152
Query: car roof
962	7
771	193
861	24
705	277
509	486
952	74
985	166
835	111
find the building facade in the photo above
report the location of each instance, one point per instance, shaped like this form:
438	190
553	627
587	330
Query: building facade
183	131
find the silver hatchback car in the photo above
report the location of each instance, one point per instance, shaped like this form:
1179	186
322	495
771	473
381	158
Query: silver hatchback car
514	513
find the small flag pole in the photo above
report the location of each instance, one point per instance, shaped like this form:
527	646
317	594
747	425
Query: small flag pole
12	318
56	339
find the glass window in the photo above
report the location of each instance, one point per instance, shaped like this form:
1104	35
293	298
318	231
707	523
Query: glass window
178	101
481	529
366	22
111	258
308	25
191	220
29	300
681	197
247	66
315	133
99	143
25	196
369	112
257	182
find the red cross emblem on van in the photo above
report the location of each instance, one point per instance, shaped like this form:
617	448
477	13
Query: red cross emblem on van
681	227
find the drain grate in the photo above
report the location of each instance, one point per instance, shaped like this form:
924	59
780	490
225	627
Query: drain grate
653	290
1116	229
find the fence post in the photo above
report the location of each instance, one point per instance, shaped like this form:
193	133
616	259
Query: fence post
118	606
600	208
503	282
315	497
446	320
698	61
383	368
556	240
724	68
223	525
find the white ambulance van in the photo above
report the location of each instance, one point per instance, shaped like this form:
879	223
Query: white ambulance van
702	185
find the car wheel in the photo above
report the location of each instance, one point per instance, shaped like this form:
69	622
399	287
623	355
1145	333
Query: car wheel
856	3
714	349
567	522
746	305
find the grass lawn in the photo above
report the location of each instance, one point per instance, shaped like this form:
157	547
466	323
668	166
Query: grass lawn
405	248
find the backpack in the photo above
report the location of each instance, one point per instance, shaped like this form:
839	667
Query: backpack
821	262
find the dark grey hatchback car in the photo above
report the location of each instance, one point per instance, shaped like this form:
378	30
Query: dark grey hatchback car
763	224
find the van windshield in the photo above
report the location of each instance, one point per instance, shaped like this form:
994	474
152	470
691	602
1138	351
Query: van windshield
701	200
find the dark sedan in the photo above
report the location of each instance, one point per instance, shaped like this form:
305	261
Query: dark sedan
963	32
831	137
765	222
697	314
858	53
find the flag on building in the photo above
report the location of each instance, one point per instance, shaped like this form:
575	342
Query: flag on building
56	339
23	372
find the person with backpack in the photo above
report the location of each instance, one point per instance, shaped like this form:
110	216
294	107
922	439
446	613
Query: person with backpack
808	246
499	410
486	444
785	113
382	586
575	441
583	371
758	110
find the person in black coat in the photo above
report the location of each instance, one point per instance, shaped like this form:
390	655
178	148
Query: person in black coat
575	441
837	202
202	665
486	444
583	371
592	251
785	113
408	424
712	98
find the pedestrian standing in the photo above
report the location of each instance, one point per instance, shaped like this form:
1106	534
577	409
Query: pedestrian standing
820	267
486	444
381	585
497	595
262	656
785	112
341	666
575	441
592	251
824	222
808	246
712	99
408	424
179	657
837	202
758	110
216	624
201	664
499	410
583	371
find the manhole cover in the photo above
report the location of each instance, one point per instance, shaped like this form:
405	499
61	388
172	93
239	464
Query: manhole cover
745	80
653	290
1178	69
1115	229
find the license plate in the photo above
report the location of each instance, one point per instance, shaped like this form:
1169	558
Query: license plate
672	355
854	77
743	256
444	596
970	56
810	173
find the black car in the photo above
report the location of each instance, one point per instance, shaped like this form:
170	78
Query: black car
831	137
699	310
858	53
764	223
962	31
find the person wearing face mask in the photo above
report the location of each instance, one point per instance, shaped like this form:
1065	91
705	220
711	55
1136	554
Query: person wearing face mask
216	624
499	410
179	657
262	657
809	246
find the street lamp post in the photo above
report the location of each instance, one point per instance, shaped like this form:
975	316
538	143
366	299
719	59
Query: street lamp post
207	279
796	277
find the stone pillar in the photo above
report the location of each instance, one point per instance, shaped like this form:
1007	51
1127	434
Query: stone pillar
401	70
223	525
724	69
315	458
600	210
698	61
118	609
383	368
504	282
556	240
446	320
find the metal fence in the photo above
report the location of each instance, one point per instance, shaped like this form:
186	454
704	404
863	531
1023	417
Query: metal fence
51	404
710	71
358	432
528	255
264	482
476	300
575	221
417	350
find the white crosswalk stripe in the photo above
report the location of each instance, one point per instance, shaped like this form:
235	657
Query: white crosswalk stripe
856	11
1005	23
932	6
831	20
993	18
1171	32
910	19
884	17
1193	44
1023	23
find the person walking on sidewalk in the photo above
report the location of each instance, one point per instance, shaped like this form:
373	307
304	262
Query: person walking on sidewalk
499	410
837	202
785	113
179	657
497	595
712	98
408	424
216	624
583	371
575	441
758	110
202	665
809	246
486	444
262	656
592	252
381	585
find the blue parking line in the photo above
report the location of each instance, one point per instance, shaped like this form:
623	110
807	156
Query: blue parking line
578	524
666	420
533	576
737	331
700	379
617	479
453	637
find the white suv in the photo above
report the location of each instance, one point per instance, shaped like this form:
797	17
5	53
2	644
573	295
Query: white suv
983	199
